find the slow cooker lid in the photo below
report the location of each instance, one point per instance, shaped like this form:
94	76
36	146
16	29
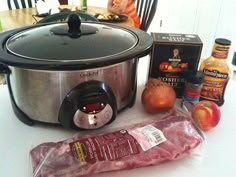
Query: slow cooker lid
53	42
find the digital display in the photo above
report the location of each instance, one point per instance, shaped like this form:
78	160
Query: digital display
93	107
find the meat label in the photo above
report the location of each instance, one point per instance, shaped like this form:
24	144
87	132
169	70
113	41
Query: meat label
106	147
148	136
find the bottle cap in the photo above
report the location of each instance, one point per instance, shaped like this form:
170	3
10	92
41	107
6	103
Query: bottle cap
195	77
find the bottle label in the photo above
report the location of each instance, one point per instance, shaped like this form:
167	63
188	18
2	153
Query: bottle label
220	51
191	95
148	136
214	84
116	145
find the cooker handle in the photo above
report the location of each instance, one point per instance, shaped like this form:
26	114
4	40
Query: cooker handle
74	24
74	29
4	69
20	114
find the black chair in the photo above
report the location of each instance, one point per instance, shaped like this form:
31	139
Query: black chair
62	16
16	3
146	10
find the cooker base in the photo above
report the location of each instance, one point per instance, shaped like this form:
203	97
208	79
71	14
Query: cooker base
28	121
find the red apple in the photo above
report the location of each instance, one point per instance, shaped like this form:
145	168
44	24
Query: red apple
206	114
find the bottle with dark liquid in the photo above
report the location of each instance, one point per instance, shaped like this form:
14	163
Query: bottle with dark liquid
216	72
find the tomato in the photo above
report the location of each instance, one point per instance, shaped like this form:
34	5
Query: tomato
163	66
184	65
158	96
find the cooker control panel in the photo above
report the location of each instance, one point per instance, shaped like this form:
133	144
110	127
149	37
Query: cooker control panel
93	118
89	105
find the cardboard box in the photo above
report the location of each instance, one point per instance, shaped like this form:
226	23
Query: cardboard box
173	55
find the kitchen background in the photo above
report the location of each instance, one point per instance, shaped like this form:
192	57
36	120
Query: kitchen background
209	19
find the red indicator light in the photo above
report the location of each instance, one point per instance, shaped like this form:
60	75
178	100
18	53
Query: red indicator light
94	107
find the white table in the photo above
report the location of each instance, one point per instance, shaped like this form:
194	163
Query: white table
217	159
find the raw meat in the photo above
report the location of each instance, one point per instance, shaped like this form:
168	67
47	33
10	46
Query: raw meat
117	150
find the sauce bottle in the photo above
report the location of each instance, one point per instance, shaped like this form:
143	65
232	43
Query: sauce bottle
83	5
216	72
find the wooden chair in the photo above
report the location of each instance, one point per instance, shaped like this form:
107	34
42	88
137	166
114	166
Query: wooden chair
146	10
18	4
63	2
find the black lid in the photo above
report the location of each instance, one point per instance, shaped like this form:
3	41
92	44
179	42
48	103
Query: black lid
223	41
195	77
56	46
55	43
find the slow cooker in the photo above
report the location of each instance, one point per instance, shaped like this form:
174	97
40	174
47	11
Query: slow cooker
77	74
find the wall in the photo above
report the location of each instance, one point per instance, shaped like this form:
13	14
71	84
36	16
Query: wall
3	5
184	16
209	19
227	24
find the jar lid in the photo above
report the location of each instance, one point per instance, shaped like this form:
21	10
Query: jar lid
195	77
223	41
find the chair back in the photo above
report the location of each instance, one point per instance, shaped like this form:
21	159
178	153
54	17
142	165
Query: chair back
146	10
63	2
62	17
18	4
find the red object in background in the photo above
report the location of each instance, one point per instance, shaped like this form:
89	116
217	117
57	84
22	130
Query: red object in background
206	114
164	66
172	70
184	65
63	2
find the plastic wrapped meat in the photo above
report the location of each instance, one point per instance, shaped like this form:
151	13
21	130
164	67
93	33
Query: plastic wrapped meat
142	145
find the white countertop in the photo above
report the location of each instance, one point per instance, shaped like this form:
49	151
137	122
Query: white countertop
217	157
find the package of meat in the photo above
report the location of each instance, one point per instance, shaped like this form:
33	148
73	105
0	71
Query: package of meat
141	145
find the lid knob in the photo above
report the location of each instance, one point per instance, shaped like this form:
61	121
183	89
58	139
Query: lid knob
74	24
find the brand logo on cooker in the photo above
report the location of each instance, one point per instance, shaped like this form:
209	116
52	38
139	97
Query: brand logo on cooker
89	74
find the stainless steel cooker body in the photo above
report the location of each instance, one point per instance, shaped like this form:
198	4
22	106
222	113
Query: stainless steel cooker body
39	94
